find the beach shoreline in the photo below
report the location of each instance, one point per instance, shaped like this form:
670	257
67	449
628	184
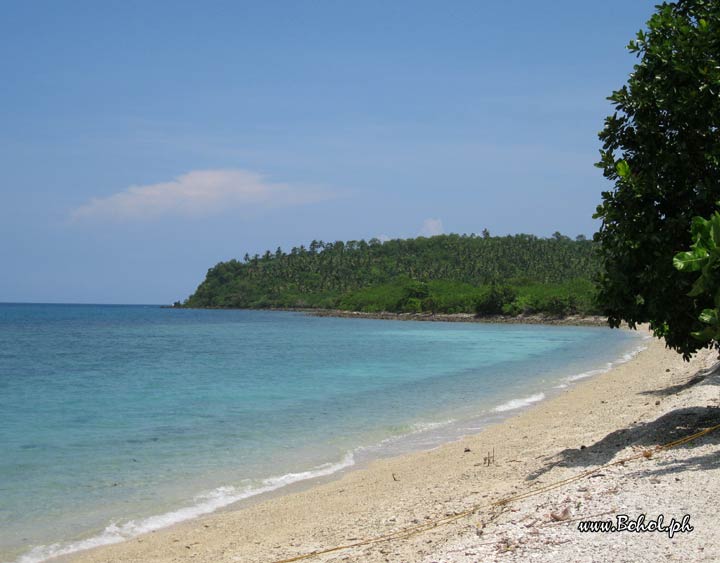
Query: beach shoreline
537	319
400	492
532	319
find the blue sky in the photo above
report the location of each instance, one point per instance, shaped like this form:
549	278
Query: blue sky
142	142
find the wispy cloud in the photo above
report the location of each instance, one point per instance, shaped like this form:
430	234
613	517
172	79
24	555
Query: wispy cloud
431	227
198	193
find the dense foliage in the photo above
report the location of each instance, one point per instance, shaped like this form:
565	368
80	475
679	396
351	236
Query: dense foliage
704	258
661	148
442	274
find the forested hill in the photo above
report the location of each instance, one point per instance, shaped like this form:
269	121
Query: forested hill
445	273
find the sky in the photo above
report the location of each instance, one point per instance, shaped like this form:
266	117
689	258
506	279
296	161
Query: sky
143	142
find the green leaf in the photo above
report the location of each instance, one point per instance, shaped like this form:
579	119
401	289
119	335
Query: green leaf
715	230
690	261
709	317
699	227
622	168
698	288
705	334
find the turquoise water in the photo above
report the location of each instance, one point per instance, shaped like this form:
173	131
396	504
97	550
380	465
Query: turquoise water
120	419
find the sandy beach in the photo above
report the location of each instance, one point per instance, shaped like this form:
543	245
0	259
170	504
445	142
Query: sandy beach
650	400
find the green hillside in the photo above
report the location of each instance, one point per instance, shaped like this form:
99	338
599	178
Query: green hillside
444	274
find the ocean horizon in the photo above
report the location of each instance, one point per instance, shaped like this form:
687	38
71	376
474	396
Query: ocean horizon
120	419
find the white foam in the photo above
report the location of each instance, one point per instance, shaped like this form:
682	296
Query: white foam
204	504
630	355
416	428
621	360
425	426
519	403
585	374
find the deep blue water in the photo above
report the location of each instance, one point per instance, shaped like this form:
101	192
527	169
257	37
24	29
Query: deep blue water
120	419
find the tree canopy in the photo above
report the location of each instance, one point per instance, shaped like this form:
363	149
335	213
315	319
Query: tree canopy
661	148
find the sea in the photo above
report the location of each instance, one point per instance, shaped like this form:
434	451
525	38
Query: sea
119	420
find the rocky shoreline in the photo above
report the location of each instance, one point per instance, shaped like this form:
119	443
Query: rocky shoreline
538	319
570	320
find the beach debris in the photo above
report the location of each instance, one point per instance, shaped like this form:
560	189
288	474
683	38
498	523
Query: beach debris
489	458
467	450
647	454
394	477
561	516
505	544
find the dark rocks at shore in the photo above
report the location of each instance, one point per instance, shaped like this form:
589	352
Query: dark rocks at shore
571	320
539	319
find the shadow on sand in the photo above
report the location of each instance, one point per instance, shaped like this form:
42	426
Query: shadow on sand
671	426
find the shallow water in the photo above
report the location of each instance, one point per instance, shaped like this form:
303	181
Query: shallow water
120	419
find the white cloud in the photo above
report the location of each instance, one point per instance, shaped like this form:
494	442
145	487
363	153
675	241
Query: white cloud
431	227
197	193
